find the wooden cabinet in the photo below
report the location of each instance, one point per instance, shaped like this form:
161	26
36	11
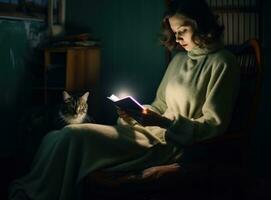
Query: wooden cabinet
74	69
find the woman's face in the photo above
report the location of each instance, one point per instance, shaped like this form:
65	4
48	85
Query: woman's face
183	32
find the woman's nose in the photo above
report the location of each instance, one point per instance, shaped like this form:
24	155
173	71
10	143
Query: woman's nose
178	38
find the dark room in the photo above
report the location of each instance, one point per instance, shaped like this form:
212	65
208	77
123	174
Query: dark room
135	99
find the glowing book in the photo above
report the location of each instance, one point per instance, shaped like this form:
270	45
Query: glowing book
127	103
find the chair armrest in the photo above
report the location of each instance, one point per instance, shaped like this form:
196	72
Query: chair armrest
115	179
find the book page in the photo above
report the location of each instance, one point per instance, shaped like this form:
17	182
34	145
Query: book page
113	97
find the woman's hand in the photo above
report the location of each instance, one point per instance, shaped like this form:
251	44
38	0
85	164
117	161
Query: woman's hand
146	118
151	118
124	115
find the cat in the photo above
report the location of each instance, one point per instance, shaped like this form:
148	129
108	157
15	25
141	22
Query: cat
38	122
73	109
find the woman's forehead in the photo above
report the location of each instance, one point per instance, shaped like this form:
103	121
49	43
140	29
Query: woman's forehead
177	21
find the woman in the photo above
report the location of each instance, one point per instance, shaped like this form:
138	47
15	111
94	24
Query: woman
193	102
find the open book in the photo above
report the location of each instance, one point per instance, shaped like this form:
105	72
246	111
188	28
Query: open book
127	103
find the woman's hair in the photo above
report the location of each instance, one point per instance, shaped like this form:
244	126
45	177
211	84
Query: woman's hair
199	16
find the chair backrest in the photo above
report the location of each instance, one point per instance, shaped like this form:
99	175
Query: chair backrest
234	145
245	111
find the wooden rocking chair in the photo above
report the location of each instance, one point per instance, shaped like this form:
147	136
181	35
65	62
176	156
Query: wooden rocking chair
209	175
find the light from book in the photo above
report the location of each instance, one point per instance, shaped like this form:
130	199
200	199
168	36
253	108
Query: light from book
126	103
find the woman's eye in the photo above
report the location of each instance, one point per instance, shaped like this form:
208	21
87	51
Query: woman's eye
182	31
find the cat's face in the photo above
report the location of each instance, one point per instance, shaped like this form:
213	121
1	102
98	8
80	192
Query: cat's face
74	108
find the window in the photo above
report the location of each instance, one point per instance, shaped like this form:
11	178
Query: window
33	9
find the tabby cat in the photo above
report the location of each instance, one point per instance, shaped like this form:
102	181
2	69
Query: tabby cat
72	110
37	122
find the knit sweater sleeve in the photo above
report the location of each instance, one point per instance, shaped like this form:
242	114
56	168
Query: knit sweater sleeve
216	110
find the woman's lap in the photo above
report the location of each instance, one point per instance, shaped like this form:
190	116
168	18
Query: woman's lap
66	156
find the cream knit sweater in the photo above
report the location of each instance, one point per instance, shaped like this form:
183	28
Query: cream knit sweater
198	92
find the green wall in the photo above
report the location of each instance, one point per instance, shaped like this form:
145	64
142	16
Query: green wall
17	41
132	57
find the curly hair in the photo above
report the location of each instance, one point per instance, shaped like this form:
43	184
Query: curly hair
199	16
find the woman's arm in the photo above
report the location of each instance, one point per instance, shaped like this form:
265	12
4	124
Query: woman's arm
216	111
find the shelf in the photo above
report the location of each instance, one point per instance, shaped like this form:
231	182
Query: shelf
70	68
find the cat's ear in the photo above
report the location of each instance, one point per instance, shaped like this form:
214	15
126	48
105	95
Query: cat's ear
85	96
66	96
